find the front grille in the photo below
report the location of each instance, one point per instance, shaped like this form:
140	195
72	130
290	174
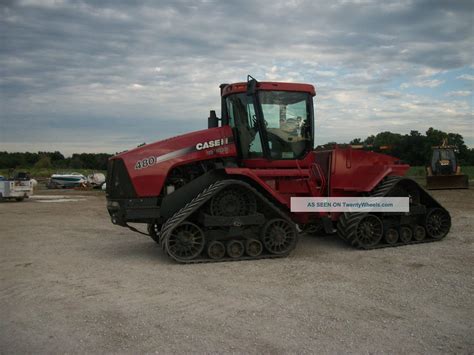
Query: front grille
119	184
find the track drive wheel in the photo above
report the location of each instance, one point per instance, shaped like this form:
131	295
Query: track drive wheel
279	236
369	231
186	241
437	223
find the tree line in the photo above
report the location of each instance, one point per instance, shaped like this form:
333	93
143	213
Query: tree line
47	160
413	148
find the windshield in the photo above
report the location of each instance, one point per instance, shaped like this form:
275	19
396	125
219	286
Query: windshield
446	154
287	118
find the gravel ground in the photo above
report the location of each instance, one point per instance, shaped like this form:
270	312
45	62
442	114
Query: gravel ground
73	282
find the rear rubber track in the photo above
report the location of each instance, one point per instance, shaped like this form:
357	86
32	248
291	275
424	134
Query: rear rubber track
349	221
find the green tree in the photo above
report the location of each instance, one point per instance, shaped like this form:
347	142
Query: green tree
76	162
458	141
370	140
412	148
387	138
470	157
434	137
44	162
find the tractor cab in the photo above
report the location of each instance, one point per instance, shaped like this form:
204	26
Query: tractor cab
273	121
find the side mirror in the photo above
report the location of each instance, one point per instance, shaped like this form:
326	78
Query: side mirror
213	121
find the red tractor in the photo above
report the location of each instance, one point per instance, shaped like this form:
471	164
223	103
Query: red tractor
224	193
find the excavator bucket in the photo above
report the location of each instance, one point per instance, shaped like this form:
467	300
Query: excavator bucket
447	182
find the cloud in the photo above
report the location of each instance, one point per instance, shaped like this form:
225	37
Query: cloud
466	77
428	83
98	70
461	93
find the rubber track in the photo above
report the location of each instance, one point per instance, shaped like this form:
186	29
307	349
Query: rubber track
199	201
347	223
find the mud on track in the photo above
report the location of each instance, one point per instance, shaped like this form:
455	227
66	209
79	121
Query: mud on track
72	282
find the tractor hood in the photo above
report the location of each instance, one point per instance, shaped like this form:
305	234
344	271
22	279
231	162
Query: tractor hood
149	165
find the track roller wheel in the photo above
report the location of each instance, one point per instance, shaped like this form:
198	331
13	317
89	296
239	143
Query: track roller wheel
419	233
391	236
186	241
216	250
279	236
235	249
369	231
253	247
154	231
437	223
406	234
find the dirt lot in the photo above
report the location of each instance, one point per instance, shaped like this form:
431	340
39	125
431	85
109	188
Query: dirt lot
73	282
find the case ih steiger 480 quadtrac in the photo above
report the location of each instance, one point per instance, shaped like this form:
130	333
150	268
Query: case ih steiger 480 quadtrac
224	193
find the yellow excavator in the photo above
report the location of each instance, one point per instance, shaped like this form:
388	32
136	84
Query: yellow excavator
444	173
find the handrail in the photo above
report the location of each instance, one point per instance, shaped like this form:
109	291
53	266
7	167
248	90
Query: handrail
317	172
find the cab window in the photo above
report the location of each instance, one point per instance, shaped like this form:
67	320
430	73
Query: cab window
242	118
287	122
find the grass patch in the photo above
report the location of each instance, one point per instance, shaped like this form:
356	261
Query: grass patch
419	171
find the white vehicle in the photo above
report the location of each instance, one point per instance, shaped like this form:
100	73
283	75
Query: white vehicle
96	180
66	180
15	189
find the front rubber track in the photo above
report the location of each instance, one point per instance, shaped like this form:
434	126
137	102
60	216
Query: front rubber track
199	203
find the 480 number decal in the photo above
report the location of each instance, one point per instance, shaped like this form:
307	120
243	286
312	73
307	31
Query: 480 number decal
145	163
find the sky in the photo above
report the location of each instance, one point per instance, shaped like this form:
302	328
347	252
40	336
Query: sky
105	76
